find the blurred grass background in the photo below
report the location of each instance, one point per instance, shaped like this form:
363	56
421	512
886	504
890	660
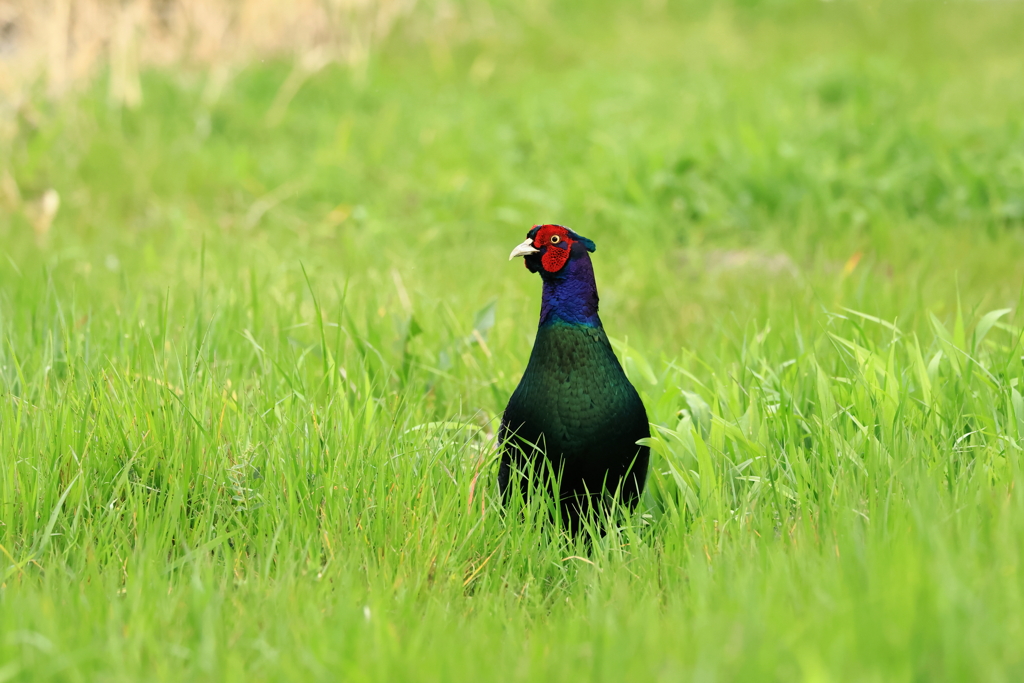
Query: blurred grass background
254	337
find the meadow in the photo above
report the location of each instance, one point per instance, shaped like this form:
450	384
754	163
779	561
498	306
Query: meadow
251	370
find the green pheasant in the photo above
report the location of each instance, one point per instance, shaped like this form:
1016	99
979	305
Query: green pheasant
574	413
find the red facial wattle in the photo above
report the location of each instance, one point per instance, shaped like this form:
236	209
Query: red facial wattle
555	243
555	258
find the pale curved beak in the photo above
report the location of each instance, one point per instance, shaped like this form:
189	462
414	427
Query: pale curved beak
523	249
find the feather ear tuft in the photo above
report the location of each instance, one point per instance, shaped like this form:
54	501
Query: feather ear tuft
589	244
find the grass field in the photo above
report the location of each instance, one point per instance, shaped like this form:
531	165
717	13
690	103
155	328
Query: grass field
250	375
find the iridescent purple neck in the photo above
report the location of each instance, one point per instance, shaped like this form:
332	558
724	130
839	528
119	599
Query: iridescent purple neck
570	295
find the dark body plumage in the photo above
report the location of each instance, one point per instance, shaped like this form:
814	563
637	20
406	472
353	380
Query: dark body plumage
574	400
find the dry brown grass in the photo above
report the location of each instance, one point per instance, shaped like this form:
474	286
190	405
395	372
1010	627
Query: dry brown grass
49	48
62	44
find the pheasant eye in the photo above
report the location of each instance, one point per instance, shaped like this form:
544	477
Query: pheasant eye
555	239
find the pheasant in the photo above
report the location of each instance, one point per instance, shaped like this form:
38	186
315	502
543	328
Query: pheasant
574	414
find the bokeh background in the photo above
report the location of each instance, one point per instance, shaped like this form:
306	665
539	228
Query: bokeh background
803	133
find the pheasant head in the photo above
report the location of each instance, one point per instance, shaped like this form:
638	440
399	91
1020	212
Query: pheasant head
549	248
